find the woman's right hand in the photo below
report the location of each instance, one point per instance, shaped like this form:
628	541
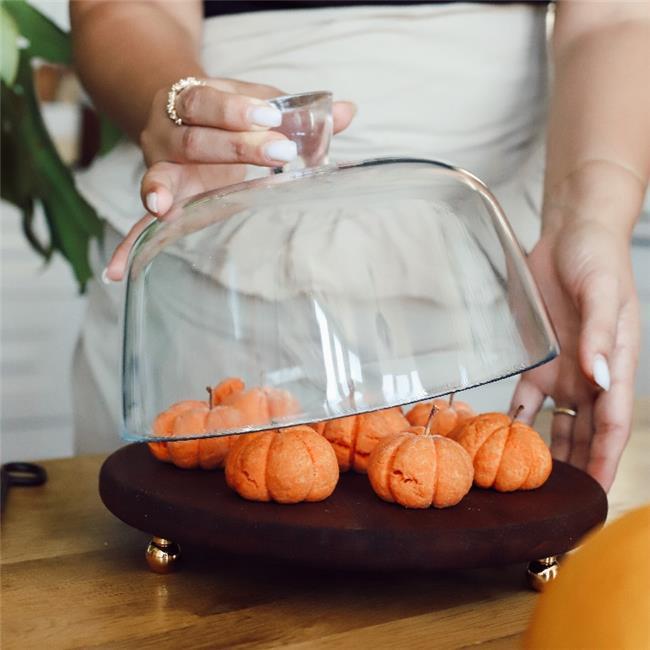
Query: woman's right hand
226	125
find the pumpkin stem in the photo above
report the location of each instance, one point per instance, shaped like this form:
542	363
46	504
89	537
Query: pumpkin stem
427	427
209	389
451	399
520	408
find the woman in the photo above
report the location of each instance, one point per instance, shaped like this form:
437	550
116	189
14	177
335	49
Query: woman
458	82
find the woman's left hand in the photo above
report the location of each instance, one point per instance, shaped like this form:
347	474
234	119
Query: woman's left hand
583	269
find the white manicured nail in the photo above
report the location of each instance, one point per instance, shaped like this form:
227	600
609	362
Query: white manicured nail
105	278
284	150
152	202
265	116
601	372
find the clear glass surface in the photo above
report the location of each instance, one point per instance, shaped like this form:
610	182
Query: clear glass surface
354	287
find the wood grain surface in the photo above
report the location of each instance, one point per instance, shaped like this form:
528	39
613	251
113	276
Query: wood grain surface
73	576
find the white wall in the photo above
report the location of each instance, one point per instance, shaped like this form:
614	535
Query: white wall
40	316
40	313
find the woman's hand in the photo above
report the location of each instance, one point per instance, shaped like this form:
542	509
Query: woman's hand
597	169
226	125
583	268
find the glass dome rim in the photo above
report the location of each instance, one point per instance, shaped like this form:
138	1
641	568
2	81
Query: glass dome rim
552	354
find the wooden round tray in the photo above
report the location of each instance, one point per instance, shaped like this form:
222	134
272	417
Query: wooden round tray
353	528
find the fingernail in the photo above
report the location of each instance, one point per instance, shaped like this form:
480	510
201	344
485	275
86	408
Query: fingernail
265	116
151	202
105	278
601	372
284	150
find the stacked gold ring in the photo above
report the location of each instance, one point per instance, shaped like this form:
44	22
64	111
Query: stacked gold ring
174	92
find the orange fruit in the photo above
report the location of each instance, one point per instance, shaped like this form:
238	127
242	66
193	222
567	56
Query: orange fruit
600	599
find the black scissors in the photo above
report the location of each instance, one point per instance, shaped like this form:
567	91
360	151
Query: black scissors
21	474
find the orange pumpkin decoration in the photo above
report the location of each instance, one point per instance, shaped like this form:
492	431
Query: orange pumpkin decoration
419	470
507	455
354	437
164	424
284	465
448	419
258	406
206	453
229	406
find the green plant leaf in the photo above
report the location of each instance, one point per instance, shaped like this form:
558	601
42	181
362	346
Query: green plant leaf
37	174
8	47
46	40
44	250
16	179
32	171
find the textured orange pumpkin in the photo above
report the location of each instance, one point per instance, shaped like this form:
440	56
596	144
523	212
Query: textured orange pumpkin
229	406
418	470
449	417
354	437
284	465
258	406
206	453
507	455
164	424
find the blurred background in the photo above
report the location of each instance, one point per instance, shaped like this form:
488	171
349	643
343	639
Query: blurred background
41	306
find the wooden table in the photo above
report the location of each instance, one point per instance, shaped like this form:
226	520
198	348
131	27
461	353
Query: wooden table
74	576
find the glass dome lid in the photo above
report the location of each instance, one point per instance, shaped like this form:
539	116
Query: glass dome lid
326	292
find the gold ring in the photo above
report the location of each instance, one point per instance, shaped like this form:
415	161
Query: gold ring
564	410
174	92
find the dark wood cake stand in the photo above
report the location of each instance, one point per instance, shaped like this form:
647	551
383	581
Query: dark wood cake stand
353	528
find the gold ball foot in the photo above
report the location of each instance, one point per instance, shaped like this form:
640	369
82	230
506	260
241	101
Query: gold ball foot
162	555
541	572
